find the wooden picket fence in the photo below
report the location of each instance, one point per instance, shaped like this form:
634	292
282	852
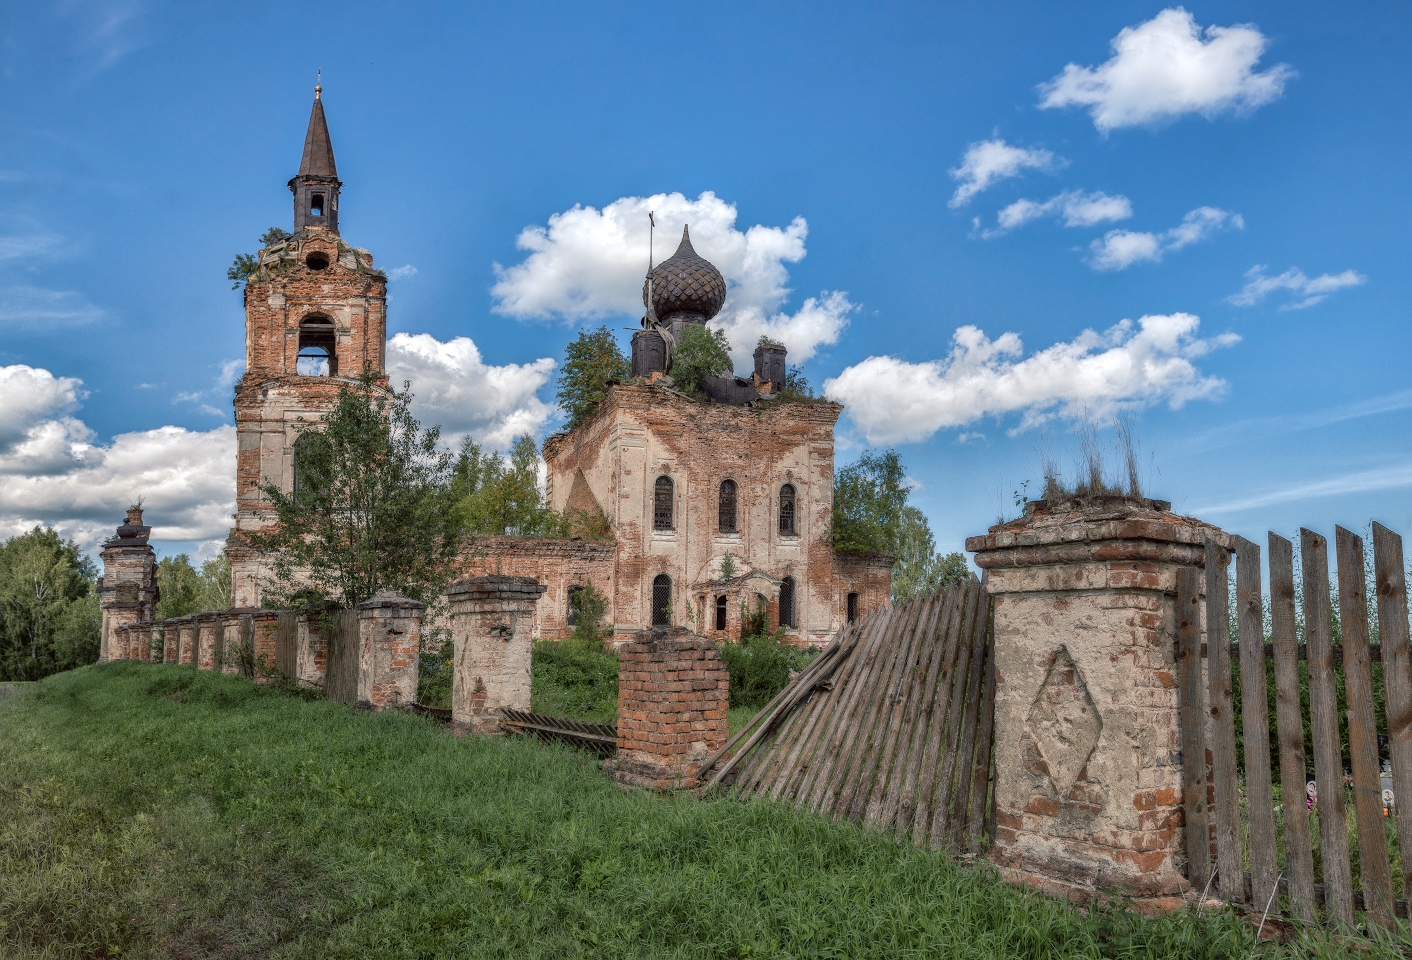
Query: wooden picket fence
341	664
890	726
1216	843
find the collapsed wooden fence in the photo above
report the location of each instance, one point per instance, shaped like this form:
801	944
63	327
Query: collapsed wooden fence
1216	841
890	726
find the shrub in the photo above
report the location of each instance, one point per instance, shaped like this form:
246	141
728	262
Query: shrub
569	679
760	667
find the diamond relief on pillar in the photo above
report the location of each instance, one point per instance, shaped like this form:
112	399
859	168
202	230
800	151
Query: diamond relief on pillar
1064	722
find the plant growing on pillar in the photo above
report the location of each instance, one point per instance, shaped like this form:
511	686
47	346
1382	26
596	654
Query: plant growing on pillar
373	507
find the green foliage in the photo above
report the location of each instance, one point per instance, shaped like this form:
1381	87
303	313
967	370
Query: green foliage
49	616
575	680
273	235
869	496
920	567
434	669
728	566
701	353
245	264
759	667
796	385
588	607
590	361
284	828
374	508
499	496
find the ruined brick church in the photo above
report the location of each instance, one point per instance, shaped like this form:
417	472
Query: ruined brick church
718	510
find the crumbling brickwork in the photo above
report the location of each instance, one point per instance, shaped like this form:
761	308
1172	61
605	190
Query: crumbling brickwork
673	691
389	644
206	626
560	565
491	627
1088	781
127	591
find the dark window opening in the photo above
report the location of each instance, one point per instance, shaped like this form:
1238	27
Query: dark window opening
721	612
787	617
316	261
575	598
316	205
317	348
727	507
661	600
787	509
662	504
852	607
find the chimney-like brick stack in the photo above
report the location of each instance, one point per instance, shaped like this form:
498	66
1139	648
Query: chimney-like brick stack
673	690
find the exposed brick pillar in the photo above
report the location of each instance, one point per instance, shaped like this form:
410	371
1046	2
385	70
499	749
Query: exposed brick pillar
492	625
186	638
1087	728
389	643
206	624
169	641
117	641
127	591
311	654
232	637
264	625
673	691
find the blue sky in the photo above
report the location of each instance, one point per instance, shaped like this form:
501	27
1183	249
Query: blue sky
1236	173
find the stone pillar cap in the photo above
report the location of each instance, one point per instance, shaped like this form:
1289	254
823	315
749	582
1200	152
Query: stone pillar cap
495	587
675	638
390	598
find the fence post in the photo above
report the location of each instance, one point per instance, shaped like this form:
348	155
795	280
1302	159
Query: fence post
389	645
492	625
207	622
1088	789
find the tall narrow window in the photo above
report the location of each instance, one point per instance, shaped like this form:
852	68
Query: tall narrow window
852	607
787	525
575	598
318	342
721	612
662	504
787	618
727	507
661	599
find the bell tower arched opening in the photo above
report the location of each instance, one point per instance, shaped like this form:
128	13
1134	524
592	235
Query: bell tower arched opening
318	347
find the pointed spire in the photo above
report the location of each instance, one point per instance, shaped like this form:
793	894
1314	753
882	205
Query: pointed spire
685	242
318	150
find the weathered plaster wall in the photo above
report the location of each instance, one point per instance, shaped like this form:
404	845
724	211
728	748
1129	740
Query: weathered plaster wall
557	564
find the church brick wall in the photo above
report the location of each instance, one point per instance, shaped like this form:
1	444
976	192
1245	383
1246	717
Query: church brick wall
558	564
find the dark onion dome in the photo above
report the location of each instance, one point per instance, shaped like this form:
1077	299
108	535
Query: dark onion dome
685	283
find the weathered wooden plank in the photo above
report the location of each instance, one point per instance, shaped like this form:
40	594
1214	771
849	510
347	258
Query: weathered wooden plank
950	611
813	710
970	719
936	735
1198	847
911	744
772	752
860	777
1221	705
1259	793
850	723
946	780
1374	869
1397	679
893	764
870	798
1289	720
1323	715
982	779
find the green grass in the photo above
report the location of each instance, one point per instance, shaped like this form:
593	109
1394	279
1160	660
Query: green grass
150	810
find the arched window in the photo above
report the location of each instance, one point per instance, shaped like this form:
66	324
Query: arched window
727	507
721	612
317	342
662	504
852	607
787	618
787	525
662	599
575	599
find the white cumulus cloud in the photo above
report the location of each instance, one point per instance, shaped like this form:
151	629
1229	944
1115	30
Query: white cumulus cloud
453	386
53	473
1307	290
1167	67
1073	208
1120	249
589	264
1126	367
988	161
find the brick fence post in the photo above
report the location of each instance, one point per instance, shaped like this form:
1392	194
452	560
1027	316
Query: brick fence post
492	627
1088	788
233	637
185	628
311	642
389	647
264	626
673	691
206	624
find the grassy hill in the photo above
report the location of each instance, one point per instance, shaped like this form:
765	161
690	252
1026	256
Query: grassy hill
149	810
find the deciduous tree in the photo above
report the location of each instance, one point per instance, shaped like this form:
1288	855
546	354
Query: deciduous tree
590	361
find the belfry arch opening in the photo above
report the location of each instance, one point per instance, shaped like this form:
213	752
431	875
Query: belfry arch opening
318	343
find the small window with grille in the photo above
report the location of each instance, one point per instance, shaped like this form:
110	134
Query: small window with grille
661	600
787	511
662	504
721	612
787	618
727	507
852	607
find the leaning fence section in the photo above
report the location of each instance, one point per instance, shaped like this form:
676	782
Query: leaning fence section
1258	843
889	727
